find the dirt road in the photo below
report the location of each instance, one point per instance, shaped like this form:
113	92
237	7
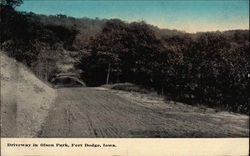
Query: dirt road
97	112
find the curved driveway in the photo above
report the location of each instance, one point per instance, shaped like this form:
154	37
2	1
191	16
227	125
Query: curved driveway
97	112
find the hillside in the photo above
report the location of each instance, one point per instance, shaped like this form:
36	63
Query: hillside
25	99
30	108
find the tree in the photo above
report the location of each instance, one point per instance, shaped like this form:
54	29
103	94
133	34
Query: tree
140	53
12	3
105	49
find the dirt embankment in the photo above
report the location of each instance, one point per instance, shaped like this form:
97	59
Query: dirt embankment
25	100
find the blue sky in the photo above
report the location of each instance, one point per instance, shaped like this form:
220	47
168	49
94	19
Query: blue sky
187	15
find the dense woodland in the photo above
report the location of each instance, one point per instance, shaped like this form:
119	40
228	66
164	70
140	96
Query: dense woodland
208	68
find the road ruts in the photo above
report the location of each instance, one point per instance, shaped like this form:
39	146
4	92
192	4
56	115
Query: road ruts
91	112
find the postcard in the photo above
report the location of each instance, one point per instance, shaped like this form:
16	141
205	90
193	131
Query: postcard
124	77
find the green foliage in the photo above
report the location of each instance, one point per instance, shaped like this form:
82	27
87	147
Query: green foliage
209	68
11	3
203	68
38	45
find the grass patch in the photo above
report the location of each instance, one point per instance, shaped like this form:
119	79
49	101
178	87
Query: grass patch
130	87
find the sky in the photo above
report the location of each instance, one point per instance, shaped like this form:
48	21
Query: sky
186	15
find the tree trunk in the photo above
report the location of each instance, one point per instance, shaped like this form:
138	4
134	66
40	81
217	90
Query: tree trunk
107	80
